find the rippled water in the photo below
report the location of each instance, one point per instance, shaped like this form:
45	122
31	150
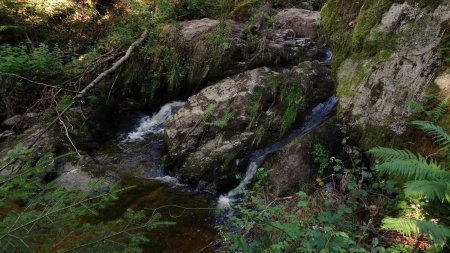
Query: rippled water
137	157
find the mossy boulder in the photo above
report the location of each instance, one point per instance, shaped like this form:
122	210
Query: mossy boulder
385	55
223	122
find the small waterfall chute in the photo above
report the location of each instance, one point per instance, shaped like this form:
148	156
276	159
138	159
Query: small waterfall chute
153	124
318	115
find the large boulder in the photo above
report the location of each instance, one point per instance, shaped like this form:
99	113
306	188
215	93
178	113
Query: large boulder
224	121
194	29
293	167
304	23
385	56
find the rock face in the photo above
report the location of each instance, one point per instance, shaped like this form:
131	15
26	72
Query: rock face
304	23
217	49
222	122
194	29
293	166
382	65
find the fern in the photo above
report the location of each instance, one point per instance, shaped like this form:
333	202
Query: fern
439	135
440	110
389	154
432	190
414	169
408	227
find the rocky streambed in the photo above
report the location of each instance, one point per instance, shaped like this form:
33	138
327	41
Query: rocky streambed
266	110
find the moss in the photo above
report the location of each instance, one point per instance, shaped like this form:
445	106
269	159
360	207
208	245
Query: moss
370	14
348	27
254	109
348	87
427	3
228	159
209	54
370	136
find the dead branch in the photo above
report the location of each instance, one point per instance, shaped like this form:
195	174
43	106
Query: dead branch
37	83
91	85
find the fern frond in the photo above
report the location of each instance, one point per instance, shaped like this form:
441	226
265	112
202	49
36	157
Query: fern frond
432	190
440	110
408	227
417	169
439	135
389	154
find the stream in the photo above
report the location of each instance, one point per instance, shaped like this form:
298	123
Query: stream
137	156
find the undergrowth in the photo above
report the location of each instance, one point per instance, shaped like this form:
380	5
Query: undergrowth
37	216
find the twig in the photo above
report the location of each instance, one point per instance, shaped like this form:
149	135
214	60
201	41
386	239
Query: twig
34	82
67	135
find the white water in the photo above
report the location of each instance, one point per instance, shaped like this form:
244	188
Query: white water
318	115
153	124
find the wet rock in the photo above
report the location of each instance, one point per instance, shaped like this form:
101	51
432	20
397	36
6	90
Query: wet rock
75	178
304	23
293	166
213	154
13	121
224	121
184	130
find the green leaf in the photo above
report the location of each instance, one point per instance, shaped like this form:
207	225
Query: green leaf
409	227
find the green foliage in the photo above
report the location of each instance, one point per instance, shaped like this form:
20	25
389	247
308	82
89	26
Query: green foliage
321	157
444	52
228	159
208	113
294	100
45	217
18	60
439	234
425	179
222	122
440	110
296	226
439	135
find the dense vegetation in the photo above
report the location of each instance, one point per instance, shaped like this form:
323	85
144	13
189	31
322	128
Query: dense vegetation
378	200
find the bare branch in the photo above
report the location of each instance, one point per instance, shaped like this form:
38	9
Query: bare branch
38	83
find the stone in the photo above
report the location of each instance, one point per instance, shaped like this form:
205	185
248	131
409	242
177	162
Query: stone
374	91
74	177
13	121
302	22
220	123
293	166
194	29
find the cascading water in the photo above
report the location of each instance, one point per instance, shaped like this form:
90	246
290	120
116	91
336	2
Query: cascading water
153	126
318	115
155	123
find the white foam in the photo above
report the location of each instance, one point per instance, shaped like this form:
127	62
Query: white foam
155	123
168	180
224	202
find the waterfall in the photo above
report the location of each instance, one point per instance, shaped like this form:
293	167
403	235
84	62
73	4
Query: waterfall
318	115
153	124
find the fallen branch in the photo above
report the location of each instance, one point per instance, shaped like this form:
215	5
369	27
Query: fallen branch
91	85
34	82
